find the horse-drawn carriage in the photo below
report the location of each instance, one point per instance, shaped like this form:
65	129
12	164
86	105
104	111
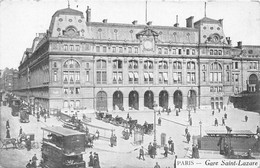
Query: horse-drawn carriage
107	118
99	115
148	128
21	142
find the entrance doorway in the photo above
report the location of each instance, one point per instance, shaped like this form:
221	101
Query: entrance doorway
148	99
101	104
133	100
177	99
118	100
163	99
192	99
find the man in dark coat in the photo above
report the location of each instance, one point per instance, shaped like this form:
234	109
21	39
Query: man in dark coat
91	160
28	144
159	121
190	121
20	131
225	115
34	160
38	116
150	149
216	122
246	118
166	149
223	121
8	133
141	153
96	161
188	137
171	145
7	124
213	112
186	131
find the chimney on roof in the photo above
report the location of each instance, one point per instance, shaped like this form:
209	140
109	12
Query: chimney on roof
189	22
221	22
104	20
228	40
134	22
88	14
239	44
176	24
149	23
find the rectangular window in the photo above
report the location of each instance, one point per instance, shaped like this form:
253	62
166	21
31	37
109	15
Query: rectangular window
159	51
77	103
87	76
55	76
179	51
193	51
120	49
97	49
129	49
204	77
146	77
65	90
104	49
131	77
71	76
113	49
114	77
77	76
177	77
99	77
188	52
219	77
65	76
160	77
174	51
120	77
71	47
228	77
166	51
77	90
151	77
77	47
136	50
99	64
237	77
104	77
188	77
71	90
193	77
165	77
65	47
87	65
236	65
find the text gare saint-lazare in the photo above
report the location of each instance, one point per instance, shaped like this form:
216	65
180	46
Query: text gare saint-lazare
221	163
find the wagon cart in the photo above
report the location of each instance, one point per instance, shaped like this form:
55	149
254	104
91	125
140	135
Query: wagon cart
27	141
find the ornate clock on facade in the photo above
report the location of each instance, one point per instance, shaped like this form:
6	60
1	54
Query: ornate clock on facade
148	45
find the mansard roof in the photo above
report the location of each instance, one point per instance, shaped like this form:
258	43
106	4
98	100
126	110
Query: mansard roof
207	20
67	11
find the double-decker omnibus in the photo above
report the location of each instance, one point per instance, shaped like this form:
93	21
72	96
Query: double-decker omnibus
62	148
15	105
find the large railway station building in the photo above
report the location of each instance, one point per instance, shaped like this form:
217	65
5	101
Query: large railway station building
106	66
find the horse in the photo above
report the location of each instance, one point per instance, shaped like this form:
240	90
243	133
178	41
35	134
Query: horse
8	141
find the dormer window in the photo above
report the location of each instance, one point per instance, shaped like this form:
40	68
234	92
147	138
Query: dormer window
71	31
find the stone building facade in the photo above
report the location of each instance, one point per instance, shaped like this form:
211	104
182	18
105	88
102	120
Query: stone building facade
103	66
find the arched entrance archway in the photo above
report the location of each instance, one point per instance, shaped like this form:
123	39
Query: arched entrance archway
192	99
133	100
163	99
118	100
177	99
101	104
148	99
253	85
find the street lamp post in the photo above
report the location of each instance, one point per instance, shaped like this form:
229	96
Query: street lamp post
200	128
154	122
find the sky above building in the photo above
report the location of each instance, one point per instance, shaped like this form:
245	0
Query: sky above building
20	20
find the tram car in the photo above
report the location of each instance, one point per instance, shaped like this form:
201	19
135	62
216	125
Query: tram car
15	106
62	148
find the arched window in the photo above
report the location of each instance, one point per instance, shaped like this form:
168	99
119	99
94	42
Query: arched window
117	64
163	65
71	72
133	64
148	64
191	65
148	73
177	65
215	72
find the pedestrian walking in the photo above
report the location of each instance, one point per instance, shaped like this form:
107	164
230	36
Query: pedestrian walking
177	113
213	112
20	131
150	149
91	160
216	122
193	151
127	116
159	121
7	124
166	149
186	131
29	164
34	161
225	108
223	121
246	118
188	137
38	116
157	165
153	150
111	141
190	121
169	111
45	117
218	110
257	130
96	161
175	162
8	133
225	115
141	153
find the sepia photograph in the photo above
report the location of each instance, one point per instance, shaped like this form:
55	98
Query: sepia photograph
129	84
